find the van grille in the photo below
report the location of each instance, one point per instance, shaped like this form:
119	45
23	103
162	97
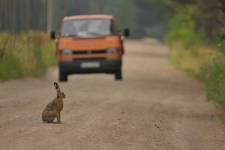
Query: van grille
89	52
89	59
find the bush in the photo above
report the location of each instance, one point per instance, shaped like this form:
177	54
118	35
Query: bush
27	54
221	46
10	68
205	63
214	75
191	52
183	27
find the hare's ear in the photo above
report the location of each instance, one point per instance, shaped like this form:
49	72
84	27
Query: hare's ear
56	85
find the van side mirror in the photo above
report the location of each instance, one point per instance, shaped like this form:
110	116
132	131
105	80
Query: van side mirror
126	32
52	35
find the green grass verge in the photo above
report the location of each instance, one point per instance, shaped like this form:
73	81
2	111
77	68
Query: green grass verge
27	54
205	63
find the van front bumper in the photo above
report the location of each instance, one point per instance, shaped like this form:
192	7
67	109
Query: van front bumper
85	66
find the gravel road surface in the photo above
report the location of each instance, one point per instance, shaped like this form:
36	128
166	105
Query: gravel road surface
155	107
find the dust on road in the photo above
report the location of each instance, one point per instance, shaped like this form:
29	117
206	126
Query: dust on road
155	108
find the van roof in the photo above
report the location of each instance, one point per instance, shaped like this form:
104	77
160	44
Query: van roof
89	17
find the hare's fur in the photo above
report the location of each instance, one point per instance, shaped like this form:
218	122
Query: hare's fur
53	109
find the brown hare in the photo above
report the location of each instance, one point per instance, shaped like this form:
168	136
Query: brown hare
53	109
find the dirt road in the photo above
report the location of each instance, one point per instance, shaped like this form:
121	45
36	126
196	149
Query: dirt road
155	108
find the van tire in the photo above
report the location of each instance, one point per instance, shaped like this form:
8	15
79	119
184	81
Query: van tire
118	75
63	76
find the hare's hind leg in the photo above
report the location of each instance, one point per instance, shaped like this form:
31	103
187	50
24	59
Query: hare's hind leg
49	116
52	116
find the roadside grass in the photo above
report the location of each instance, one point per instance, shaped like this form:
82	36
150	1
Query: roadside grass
27	54
205	63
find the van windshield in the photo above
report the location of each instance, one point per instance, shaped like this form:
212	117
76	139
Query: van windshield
87	28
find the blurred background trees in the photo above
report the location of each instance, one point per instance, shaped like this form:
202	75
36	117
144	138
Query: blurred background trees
144	17
202	18
22	15
152	18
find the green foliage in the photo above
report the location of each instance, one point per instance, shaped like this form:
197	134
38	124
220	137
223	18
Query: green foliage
183	27
27	54
214	75
10	68
221	46
204	63
211	19
196	27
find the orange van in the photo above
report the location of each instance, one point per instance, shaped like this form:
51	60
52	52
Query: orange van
89	44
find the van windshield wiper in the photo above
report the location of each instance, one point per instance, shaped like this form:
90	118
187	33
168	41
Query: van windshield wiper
95	33
69	35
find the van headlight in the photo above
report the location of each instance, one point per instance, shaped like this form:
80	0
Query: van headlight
111	50
67	52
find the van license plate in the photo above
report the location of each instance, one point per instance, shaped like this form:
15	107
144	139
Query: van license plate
90	65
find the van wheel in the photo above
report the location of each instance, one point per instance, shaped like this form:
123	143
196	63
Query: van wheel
63	76
118	75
